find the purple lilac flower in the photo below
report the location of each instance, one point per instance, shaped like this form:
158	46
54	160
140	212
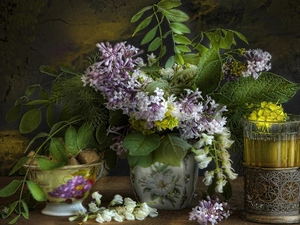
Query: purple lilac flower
210	211
196	117
150	108
112	74
74	188
257	61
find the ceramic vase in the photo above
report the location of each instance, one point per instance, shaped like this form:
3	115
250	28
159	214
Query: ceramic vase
166	187
66	187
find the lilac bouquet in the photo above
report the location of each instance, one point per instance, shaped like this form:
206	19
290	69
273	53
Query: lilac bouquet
166	119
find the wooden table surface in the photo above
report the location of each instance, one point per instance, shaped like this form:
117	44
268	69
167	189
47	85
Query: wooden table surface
110	185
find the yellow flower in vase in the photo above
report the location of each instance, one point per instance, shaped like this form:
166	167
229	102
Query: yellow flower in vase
267	113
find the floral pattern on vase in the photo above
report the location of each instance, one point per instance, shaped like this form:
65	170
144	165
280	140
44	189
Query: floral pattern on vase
166	187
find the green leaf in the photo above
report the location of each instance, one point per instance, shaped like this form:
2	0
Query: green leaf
149	36
143	161
36	191
139	144
171	150
240	36
14	220
155	44
50	115
169	4
156	84
85	136
30	121
101	134
179	59
46	164
11	209
181	48
44	95
138	15
25	213
48	70
38	102
209	72
179	28
57	150
267	87
69	68
180	39
170	62
31	89
227	41
22	161
143	25
13	113
71	140
11	188
176	15
39	135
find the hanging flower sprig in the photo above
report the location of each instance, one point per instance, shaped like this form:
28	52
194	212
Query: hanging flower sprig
119	210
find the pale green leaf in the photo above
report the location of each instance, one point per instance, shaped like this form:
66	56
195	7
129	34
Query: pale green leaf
181	48
39	135
36	191
13	113
38	102
46	164
170	62
138	144
25	213
155	44
22	161
69	68
85	136
240	36
209	72
138	15
11	188
142	25
171	150
180	39
169	4
50	115
143	161
176	15
48	70
44	95
179	28
57	150
149	36
30	121
31	89
71	140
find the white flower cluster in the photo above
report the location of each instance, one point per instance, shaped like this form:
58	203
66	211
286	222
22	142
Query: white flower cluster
119	210
219	144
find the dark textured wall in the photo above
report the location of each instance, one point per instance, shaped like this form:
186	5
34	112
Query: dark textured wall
36	32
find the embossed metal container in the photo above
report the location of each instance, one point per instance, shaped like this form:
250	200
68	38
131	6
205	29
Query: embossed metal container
271	195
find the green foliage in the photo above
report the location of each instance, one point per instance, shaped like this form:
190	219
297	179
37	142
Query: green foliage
267	87
171	150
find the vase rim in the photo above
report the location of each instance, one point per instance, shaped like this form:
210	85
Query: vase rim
68	166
